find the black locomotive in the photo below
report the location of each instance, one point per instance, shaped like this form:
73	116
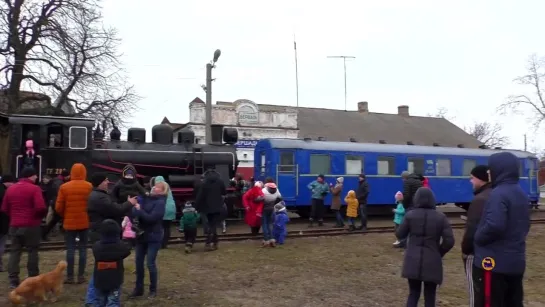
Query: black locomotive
59	142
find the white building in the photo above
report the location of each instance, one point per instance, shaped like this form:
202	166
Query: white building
253	122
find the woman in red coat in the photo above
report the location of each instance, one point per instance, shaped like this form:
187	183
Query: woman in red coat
253	203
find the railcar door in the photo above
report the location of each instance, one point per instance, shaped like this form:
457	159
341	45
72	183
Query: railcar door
532	176
287	173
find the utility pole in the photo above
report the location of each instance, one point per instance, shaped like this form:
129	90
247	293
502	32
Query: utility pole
525	143
208	89
344	57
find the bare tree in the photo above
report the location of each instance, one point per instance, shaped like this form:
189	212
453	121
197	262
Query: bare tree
23	25
534	101
70	55
89	79
487	133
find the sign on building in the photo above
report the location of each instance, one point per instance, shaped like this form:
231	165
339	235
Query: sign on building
246	143
247	112
248	117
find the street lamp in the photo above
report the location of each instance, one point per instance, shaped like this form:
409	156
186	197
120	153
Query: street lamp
208	89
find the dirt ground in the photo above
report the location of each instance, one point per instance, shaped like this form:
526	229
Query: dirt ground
357	270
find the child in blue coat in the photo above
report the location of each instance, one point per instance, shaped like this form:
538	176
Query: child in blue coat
399	213
281	219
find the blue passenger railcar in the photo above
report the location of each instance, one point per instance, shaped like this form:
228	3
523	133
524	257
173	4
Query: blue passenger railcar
294	163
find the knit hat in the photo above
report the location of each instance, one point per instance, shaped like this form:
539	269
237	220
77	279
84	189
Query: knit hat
98	178
340	179
188	205
110	228
321	176
362	176
28	172
279	207
480	172
258	184
271	185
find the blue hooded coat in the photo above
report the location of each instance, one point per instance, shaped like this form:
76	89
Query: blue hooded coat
170	209
505	223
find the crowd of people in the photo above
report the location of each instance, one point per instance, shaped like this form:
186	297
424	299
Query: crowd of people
493	245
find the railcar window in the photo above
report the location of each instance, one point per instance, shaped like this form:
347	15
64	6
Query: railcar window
353	165
77	138
320	164
442	167
385	166
468	166
287	162
262	164
415	165
521	169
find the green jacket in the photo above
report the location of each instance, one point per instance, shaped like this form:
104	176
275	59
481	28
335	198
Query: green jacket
189	218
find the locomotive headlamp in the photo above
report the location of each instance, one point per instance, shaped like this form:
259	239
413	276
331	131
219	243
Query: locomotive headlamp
217	54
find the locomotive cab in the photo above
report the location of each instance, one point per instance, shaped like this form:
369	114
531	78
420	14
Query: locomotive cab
50	144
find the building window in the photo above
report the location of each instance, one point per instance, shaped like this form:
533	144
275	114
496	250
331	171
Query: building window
468	166
442	167
385	166
415	165
353	165
319	164
287	162
77	138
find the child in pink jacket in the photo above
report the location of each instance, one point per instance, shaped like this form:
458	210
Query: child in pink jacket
129	235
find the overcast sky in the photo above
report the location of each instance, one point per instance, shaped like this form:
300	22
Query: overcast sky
460	55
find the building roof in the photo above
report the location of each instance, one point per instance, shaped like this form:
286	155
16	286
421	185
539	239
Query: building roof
368	127
389	148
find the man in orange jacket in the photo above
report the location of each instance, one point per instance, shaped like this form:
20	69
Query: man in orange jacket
71	206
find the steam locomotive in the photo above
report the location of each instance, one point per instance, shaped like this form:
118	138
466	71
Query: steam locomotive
59	142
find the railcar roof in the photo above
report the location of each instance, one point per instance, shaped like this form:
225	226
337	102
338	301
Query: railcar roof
388	148
45	120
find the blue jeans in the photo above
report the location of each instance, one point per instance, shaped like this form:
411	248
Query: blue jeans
90	296
71	245
362	210
107	299
339	217
267	220
149	251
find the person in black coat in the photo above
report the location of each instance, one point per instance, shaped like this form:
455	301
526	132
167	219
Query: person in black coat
362	192
109	254
430	238
51	192
210	203
7	181
411	183
481	189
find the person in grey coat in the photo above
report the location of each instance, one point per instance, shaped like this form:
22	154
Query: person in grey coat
430	238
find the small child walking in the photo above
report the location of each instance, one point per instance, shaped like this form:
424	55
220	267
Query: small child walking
281	219
399	213
188	226
109	254
351	209
129	236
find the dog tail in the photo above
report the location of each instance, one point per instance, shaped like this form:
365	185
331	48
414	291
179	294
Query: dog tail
15	298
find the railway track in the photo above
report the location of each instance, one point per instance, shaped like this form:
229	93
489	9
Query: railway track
314	232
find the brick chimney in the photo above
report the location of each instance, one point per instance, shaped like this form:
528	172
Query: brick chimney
363	107
403	111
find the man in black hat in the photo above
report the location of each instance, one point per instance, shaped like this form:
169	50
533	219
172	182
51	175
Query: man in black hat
481	190
100	207
25	206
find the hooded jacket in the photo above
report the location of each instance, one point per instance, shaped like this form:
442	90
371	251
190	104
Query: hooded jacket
72	199
351	204
211	194
430	238
24	204
126	187
253	203
170	209
505	222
